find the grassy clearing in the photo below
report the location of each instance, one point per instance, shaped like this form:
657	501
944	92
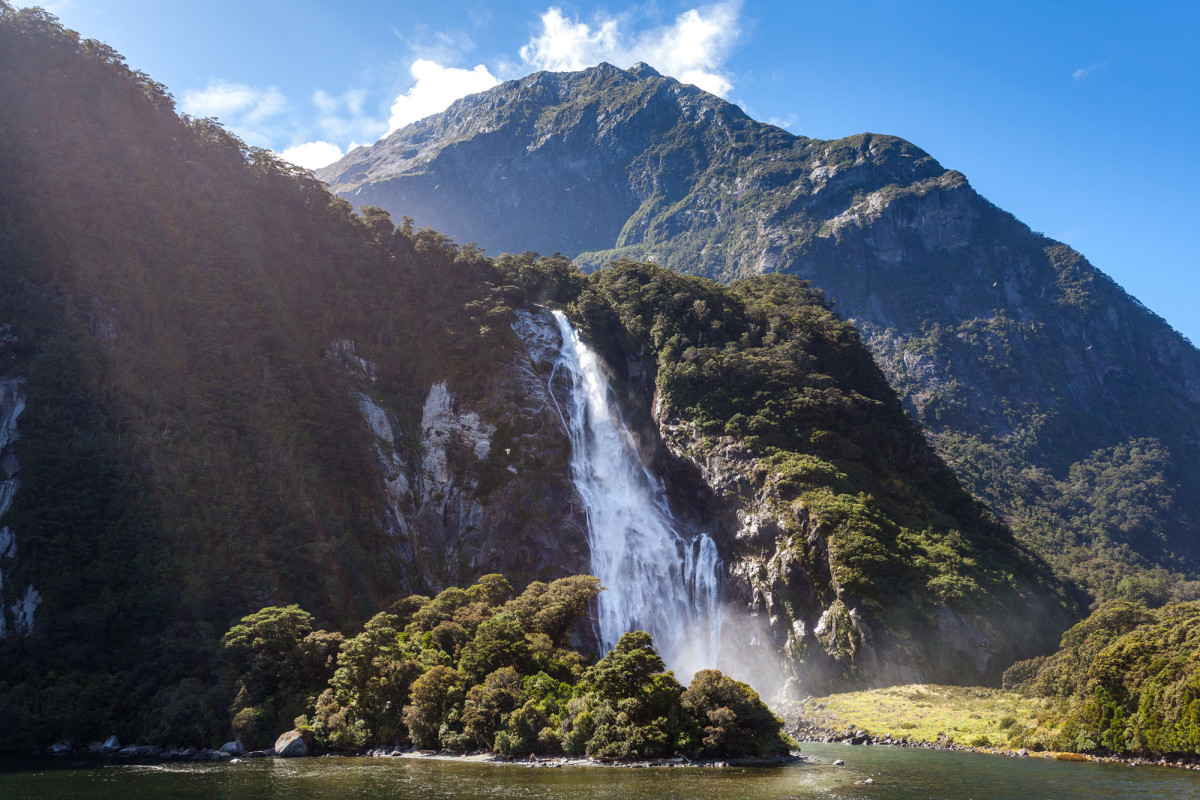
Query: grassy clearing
964	715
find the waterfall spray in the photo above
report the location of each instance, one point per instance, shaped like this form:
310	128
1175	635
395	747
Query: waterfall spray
656	580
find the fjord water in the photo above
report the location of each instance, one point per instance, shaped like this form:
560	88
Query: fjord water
897	773
655	579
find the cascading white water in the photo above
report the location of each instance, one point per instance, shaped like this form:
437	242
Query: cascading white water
655	580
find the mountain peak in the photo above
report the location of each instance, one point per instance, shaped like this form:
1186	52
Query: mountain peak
643	70
984	326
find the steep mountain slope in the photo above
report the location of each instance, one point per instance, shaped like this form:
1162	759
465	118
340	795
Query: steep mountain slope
220	389
854	547
1057	397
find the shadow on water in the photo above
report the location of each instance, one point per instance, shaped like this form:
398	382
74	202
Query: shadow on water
896	773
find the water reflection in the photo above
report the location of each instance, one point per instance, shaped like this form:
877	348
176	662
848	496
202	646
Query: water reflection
896	773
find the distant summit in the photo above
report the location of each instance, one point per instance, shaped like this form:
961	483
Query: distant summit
1058	397
644	70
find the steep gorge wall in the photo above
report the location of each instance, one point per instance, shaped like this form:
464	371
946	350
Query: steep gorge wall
482	485
17	619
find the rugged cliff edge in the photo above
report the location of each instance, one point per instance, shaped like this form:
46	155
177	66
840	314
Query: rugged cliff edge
1046	386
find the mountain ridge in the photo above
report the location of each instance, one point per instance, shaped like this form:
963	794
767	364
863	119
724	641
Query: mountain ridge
1022	361
234	392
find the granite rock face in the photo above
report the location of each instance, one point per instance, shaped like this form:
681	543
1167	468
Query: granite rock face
781	577
17	619
481	486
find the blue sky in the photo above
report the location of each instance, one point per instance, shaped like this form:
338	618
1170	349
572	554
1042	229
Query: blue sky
1081	118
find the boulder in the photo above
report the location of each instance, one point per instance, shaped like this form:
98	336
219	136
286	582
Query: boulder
60	747
233	748
291	745
111	744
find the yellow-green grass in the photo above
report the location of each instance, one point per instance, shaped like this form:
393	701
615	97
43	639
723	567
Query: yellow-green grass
963	715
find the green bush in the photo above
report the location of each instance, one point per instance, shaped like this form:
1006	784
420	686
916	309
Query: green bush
433	694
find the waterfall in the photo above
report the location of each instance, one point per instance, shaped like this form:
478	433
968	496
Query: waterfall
655	579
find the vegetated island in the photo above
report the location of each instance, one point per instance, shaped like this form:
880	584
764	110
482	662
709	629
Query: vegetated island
477	670
1124	685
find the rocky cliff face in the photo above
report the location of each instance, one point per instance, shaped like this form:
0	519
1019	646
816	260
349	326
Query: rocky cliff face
482	484
18	618
782	574
1022	360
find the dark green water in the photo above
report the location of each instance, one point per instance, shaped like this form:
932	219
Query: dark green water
897	774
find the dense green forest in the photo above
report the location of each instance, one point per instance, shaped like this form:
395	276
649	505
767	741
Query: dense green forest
1115	522
1129	677
480	669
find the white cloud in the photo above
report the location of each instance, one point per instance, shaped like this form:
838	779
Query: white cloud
787	123
313	155
343	117
221	99
435	89
1083	72
247	111
565	45
444	47
693	48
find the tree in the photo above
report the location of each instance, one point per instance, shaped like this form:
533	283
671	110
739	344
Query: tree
280	662
493	589
733	718
553	609
632	703
499	642
375	671
488	706
264	650
433	694
626	670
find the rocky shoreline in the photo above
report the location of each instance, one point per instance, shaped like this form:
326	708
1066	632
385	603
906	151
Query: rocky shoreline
111	749
294	745
580	761
804	732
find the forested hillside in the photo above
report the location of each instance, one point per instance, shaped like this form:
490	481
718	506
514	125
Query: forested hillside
1129	679
223	390
188	451
1055	396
